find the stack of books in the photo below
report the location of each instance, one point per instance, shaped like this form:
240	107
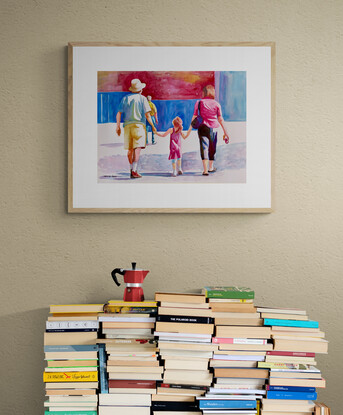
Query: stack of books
71	354
239	384
294	376
132	367
184	328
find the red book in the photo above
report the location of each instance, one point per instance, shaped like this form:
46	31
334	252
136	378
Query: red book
298	354
141	384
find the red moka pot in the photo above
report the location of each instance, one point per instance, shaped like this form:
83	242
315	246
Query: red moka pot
134	279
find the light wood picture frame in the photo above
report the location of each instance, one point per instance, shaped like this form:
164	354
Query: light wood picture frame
235	85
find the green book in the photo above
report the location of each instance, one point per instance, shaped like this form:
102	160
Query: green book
229	292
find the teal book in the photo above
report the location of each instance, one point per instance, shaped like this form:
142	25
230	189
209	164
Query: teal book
310	324
241	293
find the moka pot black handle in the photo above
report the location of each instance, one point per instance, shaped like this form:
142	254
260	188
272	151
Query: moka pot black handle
119	271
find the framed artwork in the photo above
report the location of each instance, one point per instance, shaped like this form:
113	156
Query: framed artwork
172	127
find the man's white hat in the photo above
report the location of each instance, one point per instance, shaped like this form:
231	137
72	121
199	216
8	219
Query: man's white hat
136	85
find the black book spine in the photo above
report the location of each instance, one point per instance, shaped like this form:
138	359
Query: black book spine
185	319
192	387
174	406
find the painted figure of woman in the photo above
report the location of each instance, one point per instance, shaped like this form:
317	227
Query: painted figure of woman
211	113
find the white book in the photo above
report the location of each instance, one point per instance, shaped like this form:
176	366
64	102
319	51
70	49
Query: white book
221	314
124	410
87	398
131	399
184	305
239	381
125	319
238	357
186	353
71	369
71	385
229	411
134	369
181	335
79	404
129	336
131	391
127	331
65	325
281	311
135	376
239	391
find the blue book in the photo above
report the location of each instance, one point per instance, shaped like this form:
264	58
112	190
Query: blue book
291	323
227	404
103	381
292	395
291	389
72	348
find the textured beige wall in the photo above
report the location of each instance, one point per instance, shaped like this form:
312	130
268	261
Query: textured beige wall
292	257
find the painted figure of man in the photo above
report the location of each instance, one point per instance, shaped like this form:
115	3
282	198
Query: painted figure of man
153	114
135	109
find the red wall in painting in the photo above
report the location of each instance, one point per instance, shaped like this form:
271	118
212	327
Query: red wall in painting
160	85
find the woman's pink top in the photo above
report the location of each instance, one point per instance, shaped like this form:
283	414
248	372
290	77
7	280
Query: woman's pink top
210	110
175	145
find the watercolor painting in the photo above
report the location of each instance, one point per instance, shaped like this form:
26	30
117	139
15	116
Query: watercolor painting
153	141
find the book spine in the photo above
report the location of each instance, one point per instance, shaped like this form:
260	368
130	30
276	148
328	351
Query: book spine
277	365
70	330
226	340
70	376
295	354
70	413
72	325
291	389
72	348
218	404
174	406
291	395
242	295
131	310
291	323
192	387
134	384
185	319
103	380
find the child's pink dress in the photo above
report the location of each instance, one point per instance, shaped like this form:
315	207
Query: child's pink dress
175	145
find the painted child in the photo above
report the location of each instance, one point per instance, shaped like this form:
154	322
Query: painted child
175	153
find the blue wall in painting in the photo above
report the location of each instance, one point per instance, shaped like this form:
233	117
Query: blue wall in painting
230	93
108	103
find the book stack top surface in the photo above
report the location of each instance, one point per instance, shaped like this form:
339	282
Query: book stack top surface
71	355
132	367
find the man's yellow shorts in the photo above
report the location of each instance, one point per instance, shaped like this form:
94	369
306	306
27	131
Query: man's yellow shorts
134	136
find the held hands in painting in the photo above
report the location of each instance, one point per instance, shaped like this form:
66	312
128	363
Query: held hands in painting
226	138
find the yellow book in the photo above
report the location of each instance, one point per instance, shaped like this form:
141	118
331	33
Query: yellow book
76	308
70	376
121	303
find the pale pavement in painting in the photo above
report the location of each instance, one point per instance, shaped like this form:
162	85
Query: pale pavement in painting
155	167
